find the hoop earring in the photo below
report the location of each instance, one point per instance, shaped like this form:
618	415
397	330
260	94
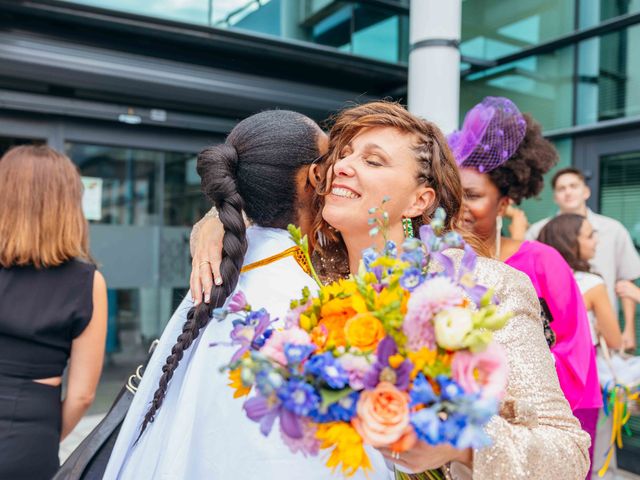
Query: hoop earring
498	235
407	226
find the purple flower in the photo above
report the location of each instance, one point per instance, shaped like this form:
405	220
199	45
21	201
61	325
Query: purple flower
308	444
265	412
238	302
381	370
299	397
326	368
250	332
428	299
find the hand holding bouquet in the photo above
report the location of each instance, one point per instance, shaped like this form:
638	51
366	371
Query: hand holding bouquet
398	353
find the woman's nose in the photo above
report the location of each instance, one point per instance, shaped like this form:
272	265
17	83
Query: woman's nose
344	167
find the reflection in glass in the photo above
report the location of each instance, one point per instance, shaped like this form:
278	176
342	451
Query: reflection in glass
541	85
495	28
351	27
609	76
129	176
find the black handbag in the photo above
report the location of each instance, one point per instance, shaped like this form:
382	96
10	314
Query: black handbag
89	460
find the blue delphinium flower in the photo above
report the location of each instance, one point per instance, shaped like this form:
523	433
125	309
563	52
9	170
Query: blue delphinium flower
421	392
296	354
411	278
341	411
426	424
326	368
450	390
390	249
299	397
268	381
368	257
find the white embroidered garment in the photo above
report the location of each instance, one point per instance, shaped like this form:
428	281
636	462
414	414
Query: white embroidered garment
201	431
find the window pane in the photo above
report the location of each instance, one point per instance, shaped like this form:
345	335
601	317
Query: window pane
495	28
609	76
184	203
592	12
128	175
378	34
350	27
192	11
541	85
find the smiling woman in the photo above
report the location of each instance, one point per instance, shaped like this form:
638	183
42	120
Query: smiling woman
379	150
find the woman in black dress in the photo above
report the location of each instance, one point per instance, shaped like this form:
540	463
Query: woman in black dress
53	310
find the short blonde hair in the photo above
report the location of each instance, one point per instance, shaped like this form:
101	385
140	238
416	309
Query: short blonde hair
41	218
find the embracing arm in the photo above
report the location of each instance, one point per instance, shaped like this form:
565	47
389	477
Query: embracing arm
206	249
536	436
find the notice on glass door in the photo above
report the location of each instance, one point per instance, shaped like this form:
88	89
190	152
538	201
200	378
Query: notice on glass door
92	198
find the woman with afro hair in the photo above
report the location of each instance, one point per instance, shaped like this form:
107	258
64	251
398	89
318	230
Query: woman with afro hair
502	157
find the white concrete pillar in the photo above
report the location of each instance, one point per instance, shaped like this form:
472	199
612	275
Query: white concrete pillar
434	61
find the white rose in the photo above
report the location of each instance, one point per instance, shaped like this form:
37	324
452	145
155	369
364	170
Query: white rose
452	326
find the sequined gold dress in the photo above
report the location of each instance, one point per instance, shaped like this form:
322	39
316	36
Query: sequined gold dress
536	436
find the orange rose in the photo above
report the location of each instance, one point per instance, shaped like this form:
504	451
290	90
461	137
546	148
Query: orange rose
333	316
364	331
383	416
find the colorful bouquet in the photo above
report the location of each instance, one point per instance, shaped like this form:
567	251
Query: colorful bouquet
399	352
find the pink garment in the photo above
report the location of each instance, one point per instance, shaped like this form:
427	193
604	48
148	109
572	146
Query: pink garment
574	354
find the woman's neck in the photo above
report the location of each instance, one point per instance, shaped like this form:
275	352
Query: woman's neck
356	242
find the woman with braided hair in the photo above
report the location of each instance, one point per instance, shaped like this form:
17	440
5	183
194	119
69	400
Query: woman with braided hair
183	423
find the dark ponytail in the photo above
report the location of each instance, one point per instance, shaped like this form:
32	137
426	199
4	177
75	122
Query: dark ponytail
254	171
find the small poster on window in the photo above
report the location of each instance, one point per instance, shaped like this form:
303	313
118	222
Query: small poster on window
92	198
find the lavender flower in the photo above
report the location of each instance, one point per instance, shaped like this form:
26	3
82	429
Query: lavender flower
238	302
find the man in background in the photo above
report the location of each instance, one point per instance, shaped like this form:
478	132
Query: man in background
616	257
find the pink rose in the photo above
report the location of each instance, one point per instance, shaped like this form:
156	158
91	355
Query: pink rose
274	346
485	371
383	416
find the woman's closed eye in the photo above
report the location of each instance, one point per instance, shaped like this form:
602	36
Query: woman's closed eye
373	160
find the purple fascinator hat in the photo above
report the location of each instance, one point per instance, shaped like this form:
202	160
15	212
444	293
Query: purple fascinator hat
490	134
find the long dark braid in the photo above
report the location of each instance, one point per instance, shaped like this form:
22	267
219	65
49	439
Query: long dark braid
258	163
219	184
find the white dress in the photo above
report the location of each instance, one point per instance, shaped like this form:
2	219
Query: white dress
201	431
586	281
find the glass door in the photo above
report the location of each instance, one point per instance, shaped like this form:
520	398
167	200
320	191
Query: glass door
612	164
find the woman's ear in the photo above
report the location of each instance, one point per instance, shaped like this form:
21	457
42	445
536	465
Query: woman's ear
424	198
314	175
503	204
